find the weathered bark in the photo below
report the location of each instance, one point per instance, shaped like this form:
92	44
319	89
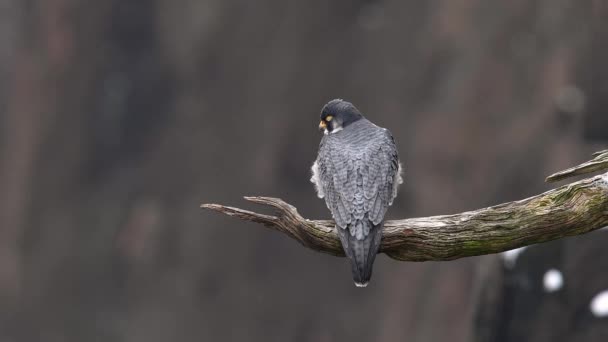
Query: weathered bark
572	209
599	163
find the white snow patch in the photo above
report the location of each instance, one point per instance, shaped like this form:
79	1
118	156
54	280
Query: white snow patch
553	280
599	304
510	257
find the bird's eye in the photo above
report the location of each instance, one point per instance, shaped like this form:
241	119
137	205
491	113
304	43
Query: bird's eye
329	118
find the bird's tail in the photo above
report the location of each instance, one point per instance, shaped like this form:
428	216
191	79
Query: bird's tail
361	252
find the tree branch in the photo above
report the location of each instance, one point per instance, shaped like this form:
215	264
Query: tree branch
572	209
600	162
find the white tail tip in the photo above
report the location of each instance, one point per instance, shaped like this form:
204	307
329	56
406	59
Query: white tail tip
361	284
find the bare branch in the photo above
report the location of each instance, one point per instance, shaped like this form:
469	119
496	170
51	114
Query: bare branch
599	163
572	209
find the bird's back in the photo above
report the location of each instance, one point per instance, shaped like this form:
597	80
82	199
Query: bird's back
357	138
359	173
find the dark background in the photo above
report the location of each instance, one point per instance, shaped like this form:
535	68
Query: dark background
119	117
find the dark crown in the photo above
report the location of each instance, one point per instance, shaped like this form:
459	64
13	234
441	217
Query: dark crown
345	111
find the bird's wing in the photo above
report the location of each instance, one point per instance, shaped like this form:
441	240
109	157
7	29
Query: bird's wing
359	183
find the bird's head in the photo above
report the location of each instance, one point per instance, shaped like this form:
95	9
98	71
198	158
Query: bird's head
338	114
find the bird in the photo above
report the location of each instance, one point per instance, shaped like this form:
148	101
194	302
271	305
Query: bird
357	171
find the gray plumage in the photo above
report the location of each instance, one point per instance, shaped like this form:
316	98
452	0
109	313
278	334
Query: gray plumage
357	172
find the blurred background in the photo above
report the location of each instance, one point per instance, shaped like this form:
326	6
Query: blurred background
118	118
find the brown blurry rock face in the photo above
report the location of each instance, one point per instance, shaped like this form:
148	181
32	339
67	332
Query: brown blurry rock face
118	118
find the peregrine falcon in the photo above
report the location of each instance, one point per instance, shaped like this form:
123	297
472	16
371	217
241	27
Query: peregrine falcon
357	172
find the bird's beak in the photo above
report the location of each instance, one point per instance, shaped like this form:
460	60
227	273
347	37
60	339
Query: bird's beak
322	125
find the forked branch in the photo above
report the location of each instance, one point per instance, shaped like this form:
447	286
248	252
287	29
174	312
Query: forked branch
572	209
